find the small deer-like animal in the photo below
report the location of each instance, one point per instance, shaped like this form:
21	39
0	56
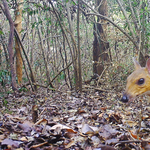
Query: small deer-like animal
138	82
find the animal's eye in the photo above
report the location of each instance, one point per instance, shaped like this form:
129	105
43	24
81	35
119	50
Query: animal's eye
141	81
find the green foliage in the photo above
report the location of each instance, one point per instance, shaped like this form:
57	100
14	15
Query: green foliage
1	32
23	89
61	77
5	77
73	2
33	24
24	79
5	102
74	80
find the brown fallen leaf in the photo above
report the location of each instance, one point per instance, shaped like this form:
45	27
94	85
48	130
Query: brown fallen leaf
42	121
107	148
61	126
145	145
111	141
103	108
80	111
71	131
19	148
34	113
95	140
38	145
24	139
2	137
107	131
26	126
70	144
12	143
86	129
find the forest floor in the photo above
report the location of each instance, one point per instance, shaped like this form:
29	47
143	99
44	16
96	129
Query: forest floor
92	120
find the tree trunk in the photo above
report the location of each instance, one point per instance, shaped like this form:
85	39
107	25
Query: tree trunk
74	52
44	58
79	53
100	44
10	46
18	25
5	49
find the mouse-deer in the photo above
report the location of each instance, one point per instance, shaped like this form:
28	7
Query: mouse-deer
138	82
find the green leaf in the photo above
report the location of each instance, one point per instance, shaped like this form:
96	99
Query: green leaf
1	32
146	8
73	3
33	25
31	12
22	30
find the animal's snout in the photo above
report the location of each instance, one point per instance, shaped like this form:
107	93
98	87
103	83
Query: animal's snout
124	98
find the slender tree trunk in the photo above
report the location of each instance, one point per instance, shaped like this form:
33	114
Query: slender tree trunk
45	61
18	25
100	44
66	60
74	56
74	53
10	46
79	53
5	49
31	71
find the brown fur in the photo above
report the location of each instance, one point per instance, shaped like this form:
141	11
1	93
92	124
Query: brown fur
132	88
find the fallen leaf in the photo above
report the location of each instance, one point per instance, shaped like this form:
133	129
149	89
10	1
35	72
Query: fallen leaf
70	144
87	130
14	144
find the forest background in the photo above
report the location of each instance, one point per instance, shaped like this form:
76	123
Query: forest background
63	69
60	44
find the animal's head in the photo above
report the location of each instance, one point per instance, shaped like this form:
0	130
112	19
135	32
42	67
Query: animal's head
138	82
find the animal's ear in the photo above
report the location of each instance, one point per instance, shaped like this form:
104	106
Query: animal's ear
136	64
148	65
